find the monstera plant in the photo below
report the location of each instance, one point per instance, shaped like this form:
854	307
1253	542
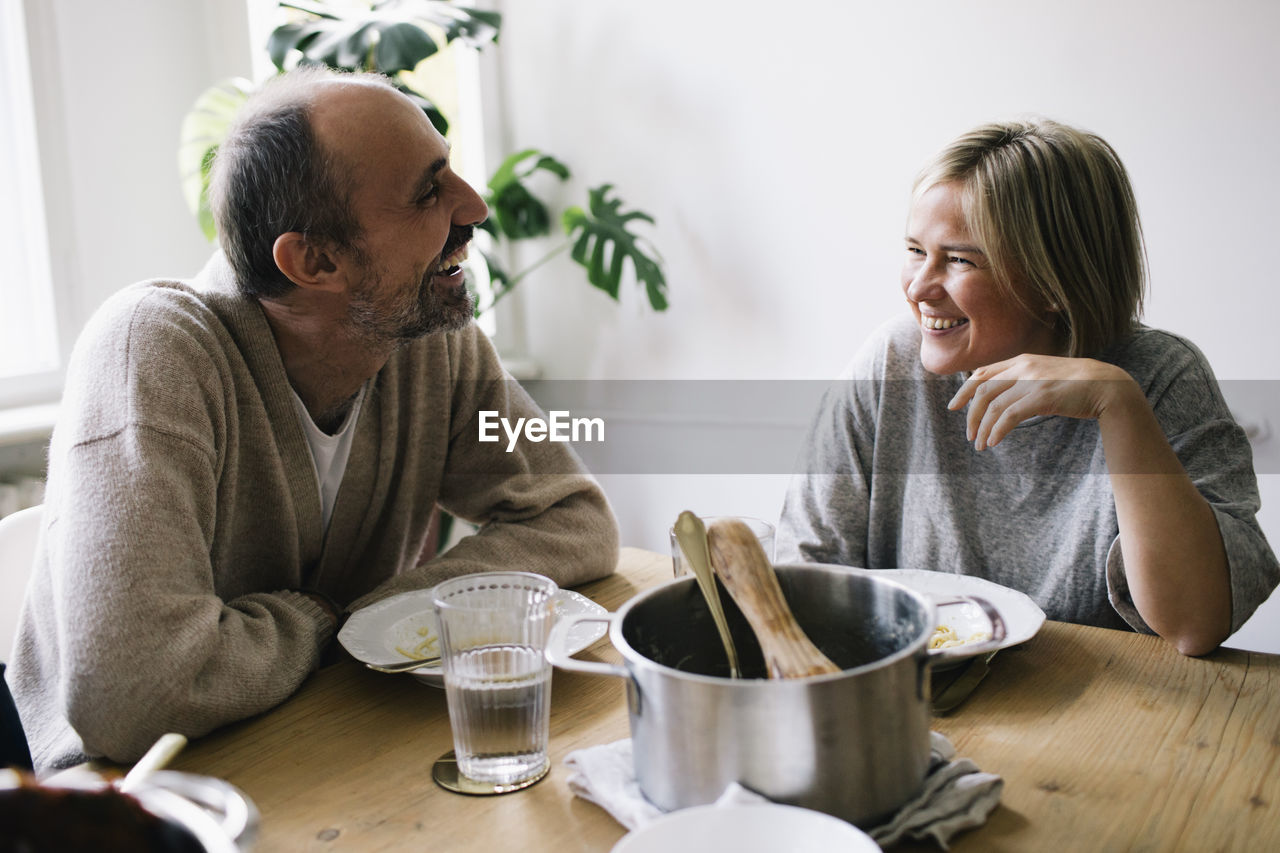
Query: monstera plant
393	37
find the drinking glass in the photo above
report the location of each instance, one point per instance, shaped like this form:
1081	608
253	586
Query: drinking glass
493	634
762	529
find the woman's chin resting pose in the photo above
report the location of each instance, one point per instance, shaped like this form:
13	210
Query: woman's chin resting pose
1021	425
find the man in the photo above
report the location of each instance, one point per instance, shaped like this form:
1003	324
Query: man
245	456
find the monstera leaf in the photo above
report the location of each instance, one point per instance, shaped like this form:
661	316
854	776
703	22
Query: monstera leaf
604	243
388	37
203	130
473	27
387	46
392	37
516	211
500	281
437	118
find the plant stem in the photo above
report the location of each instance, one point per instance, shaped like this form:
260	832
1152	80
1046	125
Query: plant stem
514	280
310	9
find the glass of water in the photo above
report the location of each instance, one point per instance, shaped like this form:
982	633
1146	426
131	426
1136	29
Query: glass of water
493	633
763	530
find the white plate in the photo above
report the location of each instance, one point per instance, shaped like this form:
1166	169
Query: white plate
755	828
1022	616
391	629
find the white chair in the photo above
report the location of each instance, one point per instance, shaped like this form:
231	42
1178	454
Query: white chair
18	535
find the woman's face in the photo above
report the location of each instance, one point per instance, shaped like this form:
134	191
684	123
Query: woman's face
966	320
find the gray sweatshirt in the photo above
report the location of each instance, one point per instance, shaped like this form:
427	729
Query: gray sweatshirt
888	480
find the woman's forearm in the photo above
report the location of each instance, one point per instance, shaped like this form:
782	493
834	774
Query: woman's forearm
1174	557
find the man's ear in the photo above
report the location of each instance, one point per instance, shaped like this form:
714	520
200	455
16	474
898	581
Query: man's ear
306	263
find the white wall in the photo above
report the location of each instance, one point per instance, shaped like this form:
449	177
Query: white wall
776	144
114	81
777	149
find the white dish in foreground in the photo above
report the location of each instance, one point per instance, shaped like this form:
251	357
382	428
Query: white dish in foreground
1022	616
755	828
404	627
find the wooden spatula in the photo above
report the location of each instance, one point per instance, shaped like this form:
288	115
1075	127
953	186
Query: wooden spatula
745	571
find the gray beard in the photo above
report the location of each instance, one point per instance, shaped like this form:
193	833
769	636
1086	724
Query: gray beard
428	314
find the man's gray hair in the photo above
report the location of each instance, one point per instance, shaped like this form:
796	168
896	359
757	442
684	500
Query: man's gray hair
271	176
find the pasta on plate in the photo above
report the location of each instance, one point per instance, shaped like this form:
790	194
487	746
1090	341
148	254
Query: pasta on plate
428	647
945	637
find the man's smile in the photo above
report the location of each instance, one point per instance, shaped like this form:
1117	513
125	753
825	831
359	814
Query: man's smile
453	253
448	267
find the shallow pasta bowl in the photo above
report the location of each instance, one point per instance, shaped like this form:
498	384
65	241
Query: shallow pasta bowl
1022	616
403	627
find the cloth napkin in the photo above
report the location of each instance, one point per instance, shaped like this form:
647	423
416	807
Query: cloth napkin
956	794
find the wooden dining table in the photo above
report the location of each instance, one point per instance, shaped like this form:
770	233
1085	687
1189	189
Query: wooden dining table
1106	740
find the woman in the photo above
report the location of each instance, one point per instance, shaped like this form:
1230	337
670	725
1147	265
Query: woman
1021	425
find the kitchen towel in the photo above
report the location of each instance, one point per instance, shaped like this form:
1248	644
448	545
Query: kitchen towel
956	794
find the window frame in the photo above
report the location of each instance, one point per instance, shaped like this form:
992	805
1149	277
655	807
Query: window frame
27	36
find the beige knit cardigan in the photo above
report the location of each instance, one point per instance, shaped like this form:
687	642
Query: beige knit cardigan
183	516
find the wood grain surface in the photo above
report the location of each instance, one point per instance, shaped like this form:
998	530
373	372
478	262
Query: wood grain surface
1106	740
1109	740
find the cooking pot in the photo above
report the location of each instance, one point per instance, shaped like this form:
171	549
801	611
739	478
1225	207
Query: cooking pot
854	744
217	815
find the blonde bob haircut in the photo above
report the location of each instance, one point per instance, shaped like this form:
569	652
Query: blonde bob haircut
1052	208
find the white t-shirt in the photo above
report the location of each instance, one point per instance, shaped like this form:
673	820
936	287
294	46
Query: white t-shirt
329	452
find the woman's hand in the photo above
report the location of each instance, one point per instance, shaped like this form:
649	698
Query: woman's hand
1175	562
1002	395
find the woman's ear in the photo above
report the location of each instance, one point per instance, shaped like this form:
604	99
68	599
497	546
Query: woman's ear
306	263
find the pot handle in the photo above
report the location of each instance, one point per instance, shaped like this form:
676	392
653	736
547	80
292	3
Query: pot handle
998	630
558	646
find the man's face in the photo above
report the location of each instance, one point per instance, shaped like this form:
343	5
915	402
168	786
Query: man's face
416	214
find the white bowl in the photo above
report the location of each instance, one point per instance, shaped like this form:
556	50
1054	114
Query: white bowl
1022	616
756	828
390	629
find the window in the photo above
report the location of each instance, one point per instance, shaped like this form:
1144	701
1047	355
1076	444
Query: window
29	350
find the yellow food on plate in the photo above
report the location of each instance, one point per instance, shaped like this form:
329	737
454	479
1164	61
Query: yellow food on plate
429	644
945	637
428	647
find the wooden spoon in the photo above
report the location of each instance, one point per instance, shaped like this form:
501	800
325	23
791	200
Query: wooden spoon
691	533
745	570
160	754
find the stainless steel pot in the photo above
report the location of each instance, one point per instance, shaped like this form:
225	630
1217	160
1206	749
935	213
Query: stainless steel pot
854	744
217	814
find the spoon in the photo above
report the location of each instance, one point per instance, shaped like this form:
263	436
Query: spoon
746	572
160	754
404	665
691	533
